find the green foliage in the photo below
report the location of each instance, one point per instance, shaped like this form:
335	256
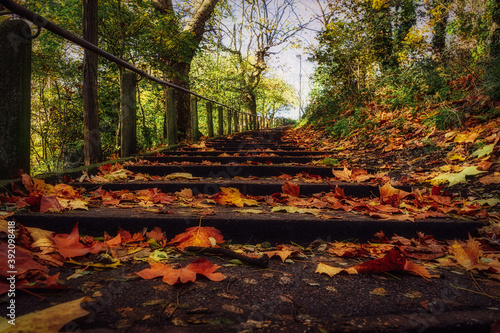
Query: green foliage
446	118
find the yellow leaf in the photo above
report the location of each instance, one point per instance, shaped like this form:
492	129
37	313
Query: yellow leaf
327	269
48	320
455	157
455	178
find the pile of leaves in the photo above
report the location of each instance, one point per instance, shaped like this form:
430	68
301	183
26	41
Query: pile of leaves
402	142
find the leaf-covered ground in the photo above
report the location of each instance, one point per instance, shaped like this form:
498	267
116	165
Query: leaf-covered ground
146	281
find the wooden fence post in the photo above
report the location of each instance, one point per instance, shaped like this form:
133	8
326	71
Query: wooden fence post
235	119
221	121
210	119
128	130
229	118
15	97
170	128
194	119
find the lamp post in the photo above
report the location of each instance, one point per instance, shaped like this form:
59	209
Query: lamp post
299	56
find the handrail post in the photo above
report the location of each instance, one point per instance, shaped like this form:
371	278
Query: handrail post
194	119
15	97
128	130
235	119
221	120
229	118
247	118
170	117
210	119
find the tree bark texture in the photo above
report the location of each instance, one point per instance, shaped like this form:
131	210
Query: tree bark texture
195	27
92	135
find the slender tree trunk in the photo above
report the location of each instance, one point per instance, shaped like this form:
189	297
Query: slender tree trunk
495	38
439	32
92	135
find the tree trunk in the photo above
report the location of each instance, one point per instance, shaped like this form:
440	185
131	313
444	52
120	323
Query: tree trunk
495	38
439	32
195	28
92	135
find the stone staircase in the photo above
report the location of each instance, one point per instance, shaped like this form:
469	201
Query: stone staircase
257	164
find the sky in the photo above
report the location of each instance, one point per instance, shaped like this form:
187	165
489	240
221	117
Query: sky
287	64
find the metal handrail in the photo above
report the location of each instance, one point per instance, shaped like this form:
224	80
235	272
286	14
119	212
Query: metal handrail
42	22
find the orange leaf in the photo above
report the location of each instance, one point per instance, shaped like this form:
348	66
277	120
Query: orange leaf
197	236
187	274
69	245
468	255
231	196
24	260
157	235
283	254
204	267
387	192
112	242
291	189
49	203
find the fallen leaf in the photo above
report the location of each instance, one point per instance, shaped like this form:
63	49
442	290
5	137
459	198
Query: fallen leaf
48	320
231	196
327	269
69	245
187	274
206	268
379	292
490	179
291	189
197	236
455	178
485	151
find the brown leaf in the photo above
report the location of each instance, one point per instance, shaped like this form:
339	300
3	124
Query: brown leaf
291	189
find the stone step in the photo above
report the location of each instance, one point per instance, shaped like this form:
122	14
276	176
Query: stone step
254	187
231	171
233	159
277	228
256	153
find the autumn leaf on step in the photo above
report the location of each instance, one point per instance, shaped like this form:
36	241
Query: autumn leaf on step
49	203
158	235
344	175
187	274
112	242
283	253
128	238
485	151
468	255
391	194
49	320
185	194
291	189
69	245
231	196
456	178
327	269
392	261
198	236
490	179
24	260
204	267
